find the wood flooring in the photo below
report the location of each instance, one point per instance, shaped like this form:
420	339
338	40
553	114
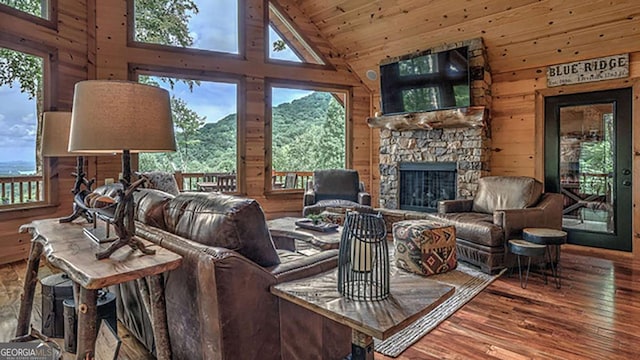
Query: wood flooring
595	315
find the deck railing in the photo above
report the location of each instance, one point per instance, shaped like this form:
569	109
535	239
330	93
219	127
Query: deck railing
21	189
280	180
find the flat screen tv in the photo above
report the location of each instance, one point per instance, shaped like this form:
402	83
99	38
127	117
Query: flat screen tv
426	82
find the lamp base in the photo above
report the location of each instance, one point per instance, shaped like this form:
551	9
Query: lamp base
77	212
124	223
99	235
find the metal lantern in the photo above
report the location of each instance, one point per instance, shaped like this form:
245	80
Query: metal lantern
363	262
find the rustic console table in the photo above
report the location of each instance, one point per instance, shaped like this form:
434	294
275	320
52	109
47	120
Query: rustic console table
68	249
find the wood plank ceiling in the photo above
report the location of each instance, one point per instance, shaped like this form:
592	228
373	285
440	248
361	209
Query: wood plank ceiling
518	34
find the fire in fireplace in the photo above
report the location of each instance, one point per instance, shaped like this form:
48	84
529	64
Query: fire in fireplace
423	184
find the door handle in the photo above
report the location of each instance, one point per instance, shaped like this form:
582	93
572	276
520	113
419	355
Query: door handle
626	183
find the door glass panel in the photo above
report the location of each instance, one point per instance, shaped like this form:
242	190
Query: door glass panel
587	145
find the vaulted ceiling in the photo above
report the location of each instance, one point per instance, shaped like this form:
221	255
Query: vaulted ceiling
518	34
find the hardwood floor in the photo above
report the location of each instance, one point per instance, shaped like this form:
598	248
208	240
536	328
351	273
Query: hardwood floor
596	315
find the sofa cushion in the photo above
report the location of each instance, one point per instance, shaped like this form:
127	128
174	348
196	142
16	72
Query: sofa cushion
150	206
506	192
336	184
476	227
160	180
224	221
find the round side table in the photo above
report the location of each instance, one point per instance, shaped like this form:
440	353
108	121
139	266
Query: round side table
548	237
528	249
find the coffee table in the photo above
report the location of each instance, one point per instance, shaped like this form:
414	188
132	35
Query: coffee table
411	297
286	227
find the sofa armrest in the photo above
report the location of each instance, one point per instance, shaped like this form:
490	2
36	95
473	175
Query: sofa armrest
364	198
306	266
454	206
309	197
512	221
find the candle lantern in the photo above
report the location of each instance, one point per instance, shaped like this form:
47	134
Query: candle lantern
363	261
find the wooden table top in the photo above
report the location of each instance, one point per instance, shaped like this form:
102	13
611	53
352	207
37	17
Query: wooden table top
411	297
544	236
286	227
69	249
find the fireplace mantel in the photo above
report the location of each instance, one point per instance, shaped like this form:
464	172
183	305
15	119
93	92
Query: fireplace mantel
469	117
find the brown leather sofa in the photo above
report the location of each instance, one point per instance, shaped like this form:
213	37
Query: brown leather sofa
502	207
218	301
335	188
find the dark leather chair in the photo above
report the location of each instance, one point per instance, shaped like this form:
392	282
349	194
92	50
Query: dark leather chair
218	301
337	188
502	207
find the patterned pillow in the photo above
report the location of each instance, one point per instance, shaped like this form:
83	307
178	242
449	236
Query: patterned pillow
160	180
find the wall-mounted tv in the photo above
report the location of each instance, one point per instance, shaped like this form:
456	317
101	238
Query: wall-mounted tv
426	81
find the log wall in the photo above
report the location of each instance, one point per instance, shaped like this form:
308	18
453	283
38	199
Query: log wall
89	41
65	43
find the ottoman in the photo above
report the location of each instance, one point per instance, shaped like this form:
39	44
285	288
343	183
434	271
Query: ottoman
424	247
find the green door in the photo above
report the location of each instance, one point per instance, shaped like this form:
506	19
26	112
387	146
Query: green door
588	160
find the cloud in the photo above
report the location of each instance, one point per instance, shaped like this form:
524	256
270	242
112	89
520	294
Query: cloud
17	125
216	25
214	100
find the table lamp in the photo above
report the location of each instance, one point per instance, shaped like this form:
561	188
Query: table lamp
55	143
121	117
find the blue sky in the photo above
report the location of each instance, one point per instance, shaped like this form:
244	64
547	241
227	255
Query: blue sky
210	99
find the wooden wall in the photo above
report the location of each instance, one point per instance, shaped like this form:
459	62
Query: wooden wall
90	41
522	38
67	44
114	55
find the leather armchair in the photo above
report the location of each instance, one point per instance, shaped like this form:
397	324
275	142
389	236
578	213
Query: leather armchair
218	301
502	207
338	188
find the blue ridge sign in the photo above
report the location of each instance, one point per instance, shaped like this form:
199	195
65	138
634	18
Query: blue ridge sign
604	68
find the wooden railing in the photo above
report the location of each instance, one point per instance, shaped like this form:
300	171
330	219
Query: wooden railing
21	189
291	179
225	182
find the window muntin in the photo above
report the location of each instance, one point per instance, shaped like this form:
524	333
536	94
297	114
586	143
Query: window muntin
308	132
21	104
206	124
196	24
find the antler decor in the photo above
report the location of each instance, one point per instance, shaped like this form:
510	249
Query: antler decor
123	222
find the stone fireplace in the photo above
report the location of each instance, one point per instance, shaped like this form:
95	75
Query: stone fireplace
458	139
468	149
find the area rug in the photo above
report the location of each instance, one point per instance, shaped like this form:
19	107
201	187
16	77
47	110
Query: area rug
468	282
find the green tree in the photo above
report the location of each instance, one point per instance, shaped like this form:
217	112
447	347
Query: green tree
187	122
33	7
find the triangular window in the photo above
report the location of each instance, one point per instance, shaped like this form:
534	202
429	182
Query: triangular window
286	43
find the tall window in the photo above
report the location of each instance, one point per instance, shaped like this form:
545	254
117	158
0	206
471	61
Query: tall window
206	126
308	132
195	24
21	99
39	8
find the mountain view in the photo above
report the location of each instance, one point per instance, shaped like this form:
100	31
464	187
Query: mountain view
308	134
15	168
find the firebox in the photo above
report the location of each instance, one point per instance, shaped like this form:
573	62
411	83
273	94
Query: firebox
423	184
